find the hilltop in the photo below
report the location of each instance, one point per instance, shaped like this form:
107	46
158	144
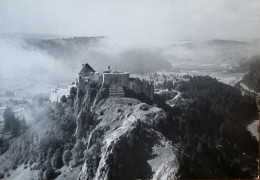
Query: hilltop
92	135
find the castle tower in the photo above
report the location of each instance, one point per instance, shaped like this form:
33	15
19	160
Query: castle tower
84	76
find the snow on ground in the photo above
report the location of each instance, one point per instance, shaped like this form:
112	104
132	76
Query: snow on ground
253	128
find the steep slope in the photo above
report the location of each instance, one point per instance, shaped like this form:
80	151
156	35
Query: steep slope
113	138
93	136
129	146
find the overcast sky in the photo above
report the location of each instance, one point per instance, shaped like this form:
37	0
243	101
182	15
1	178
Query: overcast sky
136	20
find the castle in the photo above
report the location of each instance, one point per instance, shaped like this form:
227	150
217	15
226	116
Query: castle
118	82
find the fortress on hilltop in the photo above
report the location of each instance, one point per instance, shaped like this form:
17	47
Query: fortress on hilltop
118	82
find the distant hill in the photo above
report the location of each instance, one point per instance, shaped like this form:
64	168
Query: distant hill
29	36
73	51
216	42
227	42
62	47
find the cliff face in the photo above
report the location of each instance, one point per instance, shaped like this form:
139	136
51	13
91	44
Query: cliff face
124	138
123	142
93	136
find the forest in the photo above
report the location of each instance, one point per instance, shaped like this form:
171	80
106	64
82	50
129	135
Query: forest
210	122
252	78
206	125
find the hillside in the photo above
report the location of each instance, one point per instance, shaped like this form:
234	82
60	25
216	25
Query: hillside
98	51
94	136
62	47
252	78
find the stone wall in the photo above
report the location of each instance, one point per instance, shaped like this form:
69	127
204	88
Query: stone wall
118	79
141	87
135	84
84	80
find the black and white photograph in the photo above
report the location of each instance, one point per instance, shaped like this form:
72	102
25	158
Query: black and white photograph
129	89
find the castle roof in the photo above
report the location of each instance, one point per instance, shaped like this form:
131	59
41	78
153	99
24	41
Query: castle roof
86	69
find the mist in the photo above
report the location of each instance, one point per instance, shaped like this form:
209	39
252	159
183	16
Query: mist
146	22
137	36
62	58
19	63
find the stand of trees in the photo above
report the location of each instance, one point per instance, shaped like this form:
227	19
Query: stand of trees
13	124
9	94
252	78
208	121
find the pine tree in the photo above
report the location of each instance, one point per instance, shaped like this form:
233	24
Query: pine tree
11	124
56	160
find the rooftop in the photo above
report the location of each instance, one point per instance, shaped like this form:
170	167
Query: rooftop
86	69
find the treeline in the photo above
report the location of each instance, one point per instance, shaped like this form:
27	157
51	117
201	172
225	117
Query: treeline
9	93
64	47
169	81
252	78
205	121
222	98
13	127
49	143
11	123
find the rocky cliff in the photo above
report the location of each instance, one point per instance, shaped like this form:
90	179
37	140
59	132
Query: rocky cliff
122	140
93	136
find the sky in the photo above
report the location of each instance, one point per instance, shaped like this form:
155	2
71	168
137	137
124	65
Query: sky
150	21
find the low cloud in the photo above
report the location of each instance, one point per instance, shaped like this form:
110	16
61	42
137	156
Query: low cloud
18	63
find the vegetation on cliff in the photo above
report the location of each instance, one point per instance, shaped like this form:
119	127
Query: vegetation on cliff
120	137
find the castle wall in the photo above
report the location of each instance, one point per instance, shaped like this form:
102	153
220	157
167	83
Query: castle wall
141	87
84	80
146	88
82	84
135	84
118	79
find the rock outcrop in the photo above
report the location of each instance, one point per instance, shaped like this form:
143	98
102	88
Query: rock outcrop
125	143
